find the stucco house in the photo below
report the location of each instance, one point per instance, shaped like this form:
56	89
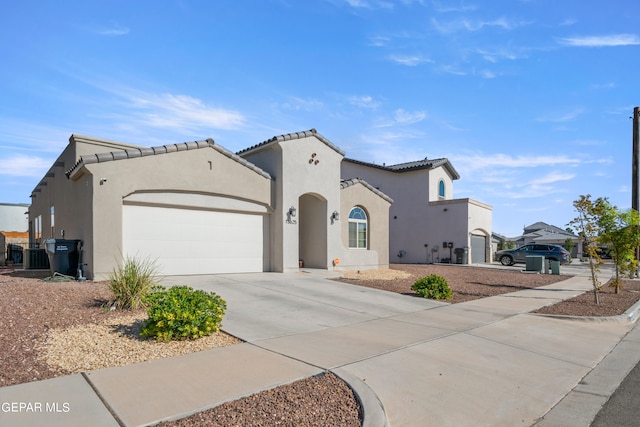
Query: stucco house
428	225
13	217
541	232
197	208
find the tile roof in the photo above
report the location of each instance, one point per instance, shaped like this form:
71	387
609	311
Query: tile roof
410	166
344	183
164	149
289	137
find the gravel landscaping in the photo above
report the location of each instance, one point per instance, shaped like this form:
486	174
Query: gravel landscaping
49	329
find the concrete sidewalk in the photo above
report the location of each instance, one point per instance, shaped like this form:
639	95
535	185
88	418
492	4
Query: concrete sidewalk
484	362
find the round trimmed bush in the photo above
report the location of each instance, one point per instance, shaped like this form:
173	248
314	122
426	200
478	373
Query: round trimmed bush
181	313
432	287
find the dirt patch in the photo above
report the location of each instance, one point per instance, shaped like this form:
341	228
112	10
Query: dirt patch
466	282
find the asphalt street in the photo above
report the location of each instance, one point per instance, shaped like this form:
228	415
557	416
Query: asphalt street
623	407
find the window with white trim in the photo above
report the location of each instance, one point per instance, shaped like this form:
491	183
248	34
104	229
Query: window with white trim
357	228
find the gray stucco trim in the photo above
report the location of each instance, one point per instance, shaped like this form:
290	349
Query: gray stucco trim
353	181
292	136
411	166
164	149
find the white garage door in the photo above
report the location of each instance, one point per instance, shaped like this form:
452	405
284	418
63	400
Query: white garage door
185	241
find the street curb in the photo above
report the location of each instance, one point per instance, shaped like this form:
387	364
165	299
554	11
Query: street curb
373	414
630	316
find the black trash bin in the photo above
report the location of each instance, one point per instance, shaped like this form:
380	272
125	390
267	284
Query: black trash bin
14	253
63	256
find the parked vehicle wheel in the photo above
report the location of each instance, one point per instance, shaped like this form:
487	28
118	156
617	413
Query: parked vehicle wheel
506	260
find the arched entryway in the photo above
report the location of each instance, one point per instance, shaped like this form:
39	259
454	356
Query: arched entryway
312	230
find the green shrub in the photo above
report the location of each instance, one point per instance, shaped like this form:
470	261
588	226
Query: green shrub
181	312
433	287
131	283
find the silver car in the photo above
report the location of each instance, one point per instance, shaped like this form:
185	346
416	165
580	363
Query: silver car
550	252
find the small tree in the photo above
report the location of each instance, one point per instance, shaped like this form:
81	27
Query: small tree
501	244
587	225
568	245
619	230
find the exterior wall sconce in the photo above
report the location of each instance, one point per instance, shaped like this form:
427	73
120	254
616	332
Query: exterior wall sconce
335	216
291	213
102	181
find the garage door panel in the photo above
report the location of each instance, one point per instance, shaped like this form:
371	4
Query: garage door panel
478	253
184	241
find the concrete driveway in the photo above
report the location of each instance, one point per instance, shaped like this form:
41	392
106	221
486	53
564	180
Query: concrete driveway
484	362
414	362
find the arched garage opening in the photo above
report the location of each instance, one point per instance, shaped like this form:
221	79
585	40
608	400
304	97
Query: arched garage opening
479	247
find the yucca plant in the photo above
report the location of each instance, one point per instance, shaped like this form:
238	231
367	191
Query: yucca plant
131	282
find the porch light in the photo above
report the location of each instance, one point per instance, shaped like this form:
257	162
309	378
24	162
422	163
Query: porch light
335	216
292	211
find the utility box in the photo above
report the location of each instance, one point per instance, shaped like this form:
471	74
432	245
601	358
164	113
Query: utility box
555	267
535	263
36	259
63	256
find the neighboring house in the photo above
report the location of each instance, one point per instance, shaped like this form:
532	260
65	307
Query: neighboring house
427	224
197	208
541	232
14	217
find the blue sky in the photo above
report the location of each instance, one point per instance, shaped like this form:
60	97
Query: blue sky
530	100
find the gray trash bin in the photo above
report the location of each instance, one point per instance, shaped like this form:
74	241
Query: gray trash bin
63	256
555	267
460	255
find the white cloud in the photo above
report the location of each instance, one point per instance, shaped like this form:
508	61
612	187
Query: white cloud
410	60
601	41
404	117
364	102
487	74
553	177
180	112
20	165
469	25
375	4
439	7
113	30
505	161
494	56
564	117
379	41
301	104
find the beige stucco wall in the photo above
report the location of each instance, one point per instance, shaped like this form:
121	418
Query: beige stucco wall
456	221
306	175
303	166
90	206
417	219
377	210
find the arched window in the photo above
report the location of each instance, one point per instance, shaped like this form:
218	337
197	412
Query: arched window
441	193
358	228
